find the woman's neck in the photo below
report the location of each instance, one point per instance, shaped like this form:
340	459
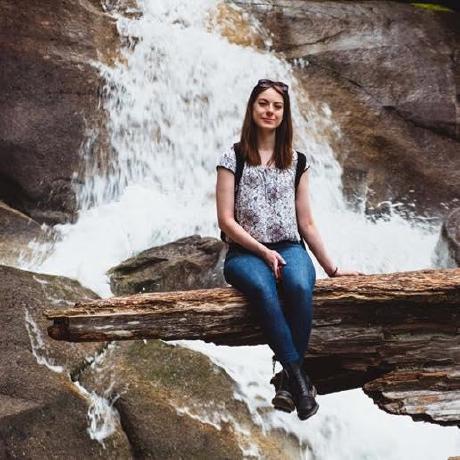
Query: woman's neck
266	142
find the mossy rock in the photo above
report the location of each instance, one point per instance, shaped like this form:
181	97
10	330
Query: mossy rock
183	373
175	403
432	7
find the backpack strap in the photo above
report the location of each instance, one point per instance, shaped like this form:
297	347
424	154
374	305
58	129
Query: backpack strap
239	165
301	163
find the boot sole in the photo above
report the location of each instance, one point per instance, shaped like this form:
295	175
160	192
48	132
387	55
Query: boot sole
309	414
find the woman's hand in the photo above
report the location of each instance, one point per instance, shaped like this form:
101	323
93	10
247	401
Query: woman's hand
274	261
342	272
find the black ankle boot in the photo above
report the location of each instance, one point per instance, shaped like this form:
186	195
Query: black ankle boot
302	390
283	399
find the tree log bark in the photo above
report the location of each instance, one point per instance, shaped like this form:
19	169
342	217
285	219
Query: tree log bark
397	335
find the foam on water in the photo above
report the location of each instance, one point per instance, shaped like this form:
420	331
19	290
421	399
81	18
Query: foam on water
103	418
175	103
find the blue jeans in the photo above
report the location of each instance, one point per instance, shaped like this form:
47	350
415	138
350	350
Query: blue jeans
287	330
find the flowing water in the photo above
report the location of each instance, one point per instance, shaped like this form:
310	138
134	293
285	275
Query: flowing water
174	103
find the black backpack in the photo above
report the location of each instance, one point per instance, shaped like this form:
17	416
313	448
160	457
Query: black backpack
301	163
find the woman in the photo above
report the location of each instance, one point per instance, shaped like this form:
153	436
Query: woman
264	217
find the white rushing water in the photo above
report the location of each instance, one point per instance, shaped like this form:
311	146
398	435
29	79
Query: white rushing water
103	418
175	103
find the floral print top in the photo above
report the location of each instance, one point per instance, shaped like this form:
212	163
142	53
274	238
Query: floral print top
265	200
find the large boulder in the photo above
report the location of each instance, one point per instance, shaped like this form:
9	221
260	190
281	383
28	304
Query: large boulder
42	413
175	403
17	232
390	75
50	100
447	253
192	262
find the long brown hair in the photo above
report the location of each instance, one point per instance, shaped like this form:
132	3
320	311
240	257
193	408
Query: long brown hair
283	134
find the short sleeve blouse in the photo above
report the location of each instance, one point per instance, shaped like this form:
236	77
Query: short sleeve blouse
265	200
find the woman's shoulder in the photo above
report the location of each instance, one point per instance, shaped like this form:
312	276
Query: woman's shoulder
227	159
296	156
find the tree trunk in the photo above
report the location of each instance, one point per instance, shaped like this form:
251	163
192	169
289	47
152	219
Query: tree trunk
397	335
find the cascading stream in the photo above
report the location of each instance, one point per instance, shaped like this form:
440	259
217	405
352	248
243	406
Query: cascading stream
175	102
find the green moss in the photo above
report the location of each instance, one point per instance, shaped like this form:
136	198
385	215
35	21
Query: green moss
432	7
177	369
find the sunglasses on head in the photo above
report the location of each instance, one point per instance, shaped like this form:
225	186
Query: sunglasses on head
265	83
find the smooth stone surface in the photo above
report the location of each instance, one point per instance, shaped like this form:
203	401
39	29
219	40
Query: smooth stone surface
16	234
42	415
192	262
50	101
447	252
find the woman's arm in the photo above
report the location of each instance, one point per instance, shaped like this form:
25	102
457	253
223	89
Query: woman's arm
225	200
309	232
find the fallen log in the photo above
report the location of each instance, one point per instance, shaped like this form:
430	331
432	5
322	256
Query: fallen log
395	334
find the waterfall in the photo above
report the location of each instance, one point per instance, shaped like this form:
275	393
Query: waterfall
175	101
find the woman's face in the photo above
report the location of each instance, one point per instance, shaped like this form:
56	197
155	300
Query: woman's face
267	111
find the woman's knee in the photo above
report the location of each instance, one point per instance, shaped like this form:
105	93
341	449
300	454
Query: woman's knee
257	284
299	289
263	291
299	301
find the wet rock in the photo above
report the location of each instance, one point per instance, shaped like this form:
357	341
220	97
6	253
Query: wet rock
49	99
17	231
188	263
447	252
389	73
175	403
238	27
42	414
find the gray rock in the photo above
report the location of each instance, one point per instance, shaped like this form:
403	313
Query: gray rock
447	252
50	96
175	403
188	263
41	413
17	231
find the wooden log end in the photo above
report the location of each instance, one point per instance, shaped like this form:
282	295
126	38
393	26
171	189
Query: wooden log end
57	331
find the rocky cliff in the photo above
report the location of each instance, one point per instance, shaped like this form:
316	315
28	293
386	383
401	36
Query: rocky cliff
50	99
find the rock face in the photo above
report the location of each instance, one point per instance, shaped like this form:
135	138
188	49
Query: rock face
390	73
188	263
447	250
174	403
49	100
17	230
42	415
450	236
